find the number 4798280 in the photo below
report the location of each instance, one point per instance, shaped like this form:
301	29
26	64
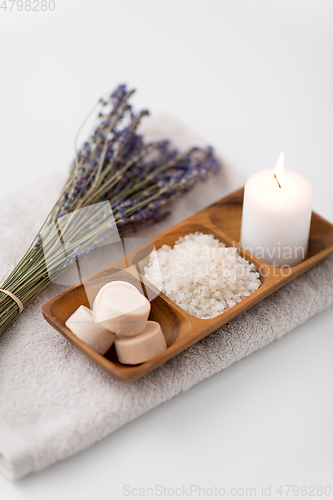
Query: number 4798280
28	5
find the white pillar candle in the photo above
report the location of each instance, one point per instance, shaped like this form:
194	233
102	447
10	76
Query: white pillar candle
276	216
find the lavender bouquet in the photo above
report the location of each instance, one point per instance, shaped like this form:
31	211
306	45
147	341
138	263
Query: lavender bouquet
115	164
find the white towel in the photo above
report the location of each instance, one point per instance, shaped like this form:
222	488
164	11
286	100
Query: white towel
55	402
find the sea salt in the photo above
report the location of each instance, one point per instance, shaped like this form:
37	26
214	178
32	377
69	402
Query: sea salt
202	275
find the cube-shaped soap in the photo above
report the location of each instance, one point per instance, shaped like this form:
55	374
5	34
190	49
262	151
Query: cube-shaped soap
83	325
142	347
121	310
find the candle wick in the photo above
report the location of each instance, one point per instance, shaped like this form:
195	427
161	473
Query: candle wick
277	181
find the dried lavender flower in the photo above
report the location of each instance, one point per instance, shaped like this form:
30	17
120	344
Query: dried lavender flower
114	164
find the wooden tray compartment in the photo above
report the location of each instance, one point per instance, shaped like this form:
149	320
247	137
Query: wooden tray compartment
181	329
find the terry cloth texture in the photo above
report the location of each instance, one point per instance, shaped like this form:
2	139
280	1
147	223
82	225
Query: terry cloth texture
43	417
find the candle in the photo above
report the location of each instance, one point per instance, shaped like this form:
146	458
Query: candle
276	215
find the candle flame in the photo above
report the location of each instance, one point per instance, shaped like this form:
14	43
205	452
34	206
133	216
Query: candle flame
279	169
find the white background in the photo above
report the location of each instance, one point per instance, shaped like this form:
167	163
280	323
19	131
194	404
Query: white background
252	78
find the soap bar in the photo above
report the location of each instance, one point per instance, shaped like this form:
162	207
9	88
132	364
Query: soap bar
142	347
121	310
119	284
82	324
112	285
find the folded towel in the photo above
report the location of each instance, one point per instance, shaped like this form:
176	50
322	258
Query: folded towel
55	402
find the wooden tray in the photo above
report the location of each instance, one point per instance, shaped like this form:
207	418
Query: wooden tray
223	220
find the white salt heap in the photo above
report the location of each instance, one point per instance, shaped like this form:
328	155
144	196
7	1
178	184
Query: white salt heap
202	275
